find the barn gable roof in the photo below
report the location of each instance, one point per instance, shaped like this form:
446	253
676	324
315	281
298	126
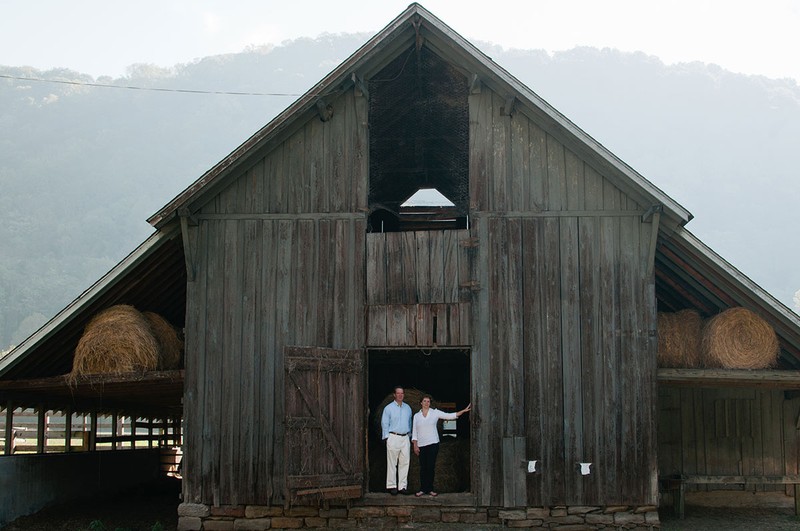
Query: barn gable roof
156	270
417	25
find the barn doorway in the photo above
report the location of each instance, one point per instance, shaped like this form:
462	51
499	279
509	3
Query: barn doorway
443	373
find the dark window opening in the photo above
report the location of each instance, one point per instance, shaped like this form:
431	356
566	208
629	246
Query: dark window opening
445	375
419	144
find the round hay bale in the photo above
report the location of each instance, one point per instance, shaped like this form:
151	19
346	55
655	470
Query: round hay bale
170	345
680	336
739	339
452	466
116	340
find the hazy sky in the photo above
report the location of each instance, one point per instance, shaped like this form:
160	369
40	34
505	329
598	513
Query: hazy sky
103	37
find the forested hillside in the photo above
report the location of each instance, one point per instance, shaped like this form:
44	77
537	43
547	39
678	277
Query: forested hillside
82	166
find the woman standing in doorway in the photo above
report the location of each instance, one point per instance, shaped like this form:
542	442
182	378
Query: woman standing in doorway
425	438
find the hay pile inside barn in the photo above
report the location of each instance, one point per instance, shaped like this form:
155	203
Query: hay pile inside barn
736	338
679	339
120	339
170	345
739	339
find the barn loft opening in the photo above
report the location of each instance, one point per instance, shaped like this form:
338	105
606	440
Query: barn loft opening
443	373
419	141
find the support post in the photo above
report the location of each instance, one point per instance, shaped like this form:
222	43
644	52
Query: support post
114	431
41	429
68	430
9	448
93	432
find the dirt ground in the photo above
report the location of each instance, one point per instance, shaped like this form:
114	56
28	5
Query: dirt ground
137	510
727	519
140	510
733	511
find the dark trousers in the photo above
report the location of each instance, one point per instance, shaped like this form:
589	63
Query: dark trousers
427	466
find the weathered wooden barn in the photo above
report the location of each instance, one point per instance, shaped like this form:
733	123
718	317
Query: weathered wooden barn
309	285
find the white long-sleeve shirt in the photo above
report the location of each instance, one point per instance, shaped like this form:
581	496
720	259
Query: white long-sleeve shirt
425	430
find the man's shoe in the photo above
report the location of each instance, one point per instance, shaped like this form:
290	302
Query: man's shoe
393	492
403	491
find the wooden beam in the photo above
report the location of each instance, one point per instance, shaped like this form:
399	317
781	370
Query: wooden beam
360	86
324	110
790	479
68	430
768	379
475	84
93	432
114	420
508	106
187	249
653	212
327	493
9	435
41	428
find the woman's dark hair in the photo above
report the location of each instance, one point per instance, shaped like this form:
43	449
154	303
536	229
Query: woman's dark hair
423	397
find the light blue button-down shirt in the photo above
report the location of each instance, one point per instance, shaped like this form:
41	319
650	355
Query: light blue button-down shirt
396	418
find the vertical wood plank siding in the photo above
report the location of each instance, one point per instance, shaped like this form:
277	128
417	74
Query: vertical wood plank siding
567	312
276	261
548	286
737	432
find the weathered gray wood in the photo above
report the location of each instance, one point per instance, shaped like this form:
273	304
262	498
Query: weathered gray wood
787	479
571	368
547	288
322	450
537	181
408	289
485	455
768	379
336	166
518	162
437	266
265	407
789	415
377	325
360	149
514	301
450	267
514	470
609	324
401	322
250	392
498	192
480	138
412	267
552	374
556	183
230	361
422	267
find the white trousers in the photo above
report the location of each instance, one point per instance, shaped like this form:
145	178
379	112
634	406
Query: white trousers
398	448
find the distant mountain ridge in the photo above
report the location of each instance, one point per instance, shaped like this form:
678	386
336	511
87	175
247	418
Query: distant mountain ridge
82	167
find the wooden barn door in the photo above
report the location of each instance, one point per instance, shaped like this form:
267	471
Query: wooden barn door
324	443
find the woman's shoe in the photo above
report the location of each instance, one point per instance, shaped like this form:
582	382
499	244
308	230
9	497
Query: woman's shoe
420	493
433	493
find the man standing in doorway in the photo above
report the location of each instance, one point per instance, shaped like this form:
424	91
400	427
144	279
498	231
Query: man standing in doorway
396	427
